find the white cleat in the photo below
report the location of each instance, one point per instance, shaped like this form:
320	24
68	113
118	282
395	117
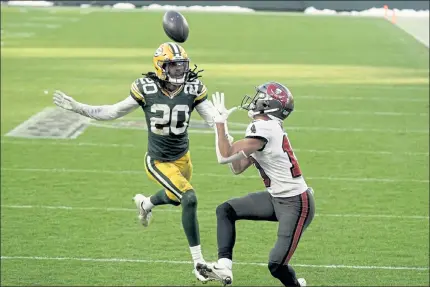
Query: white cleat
216	271
200	277
144	215
302	282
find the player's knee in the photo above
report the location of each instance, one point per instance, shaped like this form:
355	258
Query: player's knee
225	210
275	269
189	199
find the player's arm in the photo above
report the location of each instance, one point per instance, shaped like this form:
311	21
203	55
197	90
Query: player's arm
203	106
229	152
235	154
104	112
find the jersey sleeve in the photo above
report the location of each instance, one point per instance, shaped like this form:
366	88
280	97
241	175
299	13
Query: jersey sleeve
136	92
259	130
108	112
202	93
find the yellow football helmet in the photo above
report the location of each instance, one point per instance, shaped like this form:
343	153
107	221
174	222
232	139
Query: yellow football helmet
171	63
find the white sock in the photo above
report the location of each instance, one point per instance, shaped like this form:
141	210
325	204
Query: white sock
147	204
226	262
196	253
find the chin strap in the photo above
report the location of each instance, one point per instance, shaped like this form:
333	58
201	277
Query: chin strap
252	114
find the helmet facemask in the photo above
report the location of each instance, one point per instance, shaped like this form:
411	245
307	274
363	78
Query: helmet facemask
176	71
257	104
249	103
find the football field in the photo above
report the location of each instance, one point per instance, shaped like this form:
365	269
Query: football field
360	131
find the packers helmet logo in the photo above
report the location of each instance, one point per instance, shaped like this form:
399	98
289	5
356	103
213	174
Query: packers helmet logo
158	51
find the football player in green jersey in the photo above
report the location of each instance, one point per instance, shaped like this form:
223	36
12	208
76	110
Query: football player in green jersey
167	98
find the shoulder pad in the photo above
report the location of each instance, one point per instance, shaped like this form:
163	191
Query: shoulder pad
198	89
141	87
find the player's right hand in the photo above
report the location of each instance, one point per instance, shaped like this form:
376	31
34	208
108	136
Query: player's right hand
218	102
64	101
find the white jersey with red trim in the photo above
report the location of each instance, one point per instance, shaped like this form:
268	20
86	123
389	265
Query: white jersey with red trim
276	162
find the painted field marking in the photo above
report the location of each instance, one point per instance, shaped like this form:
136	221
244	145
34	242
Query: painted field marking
426	100
291	128
176	210
105	171
331	266
32	25
114	145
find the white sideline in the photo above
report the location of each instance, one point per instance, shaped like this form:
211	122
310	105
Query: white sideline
66	170
189	262
176	210
71	143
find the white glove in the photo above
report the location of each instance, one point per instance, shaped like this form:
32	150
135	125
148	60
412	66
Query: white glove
218	102
64	101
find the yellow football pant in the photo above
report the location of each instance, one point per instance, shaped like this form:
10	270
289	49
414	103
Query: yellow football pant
174	176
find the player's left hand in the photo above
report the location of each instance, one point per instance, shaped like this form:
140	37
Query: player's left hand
64	101
218	102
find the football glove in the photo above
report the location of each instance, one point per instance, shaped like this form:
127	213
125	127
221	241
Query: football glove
218	102
64	101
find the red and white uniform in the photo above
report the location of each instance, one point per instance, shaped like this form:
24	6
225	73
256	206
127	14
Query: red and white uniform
276	162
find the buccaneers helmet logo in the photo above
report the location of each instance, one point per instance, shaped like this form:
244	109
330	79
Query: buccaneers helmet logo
277	93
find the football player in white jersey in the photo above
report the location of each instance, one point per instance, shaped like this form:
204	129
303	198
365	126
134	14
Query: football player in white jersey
287	198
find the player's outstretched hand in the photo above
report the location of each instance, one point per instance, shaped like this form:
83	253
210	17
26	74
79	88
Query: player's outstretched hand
64	101
218	102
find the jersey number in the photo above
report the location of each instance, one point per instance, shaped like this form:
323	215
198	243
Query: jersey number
191	88
148	86
295	168
266	179
169	116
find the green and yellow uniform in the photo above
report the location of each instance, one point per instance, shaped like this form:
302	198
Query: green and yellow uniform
168	160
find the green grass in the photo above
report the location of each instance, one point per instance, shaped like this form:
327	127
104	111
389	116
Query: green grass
370	175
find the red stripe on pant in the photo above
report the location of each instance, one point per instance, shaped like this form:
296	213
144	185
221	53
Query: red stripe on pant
300	225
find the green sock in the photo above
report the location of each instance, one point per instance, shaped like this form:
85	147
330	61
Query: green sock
189	217
161	198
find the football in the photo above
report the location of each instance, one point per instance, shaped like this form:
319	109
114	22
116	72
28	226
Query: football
175	26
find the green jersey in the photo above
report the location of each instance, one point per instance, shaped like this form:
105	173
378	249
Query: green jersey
167	117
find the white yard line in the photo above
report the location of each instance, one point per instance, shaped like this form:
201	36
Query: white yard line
291	128
8	35
383	99
110	145
32	25
348	113
189	262
105	171
54	19
176	210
